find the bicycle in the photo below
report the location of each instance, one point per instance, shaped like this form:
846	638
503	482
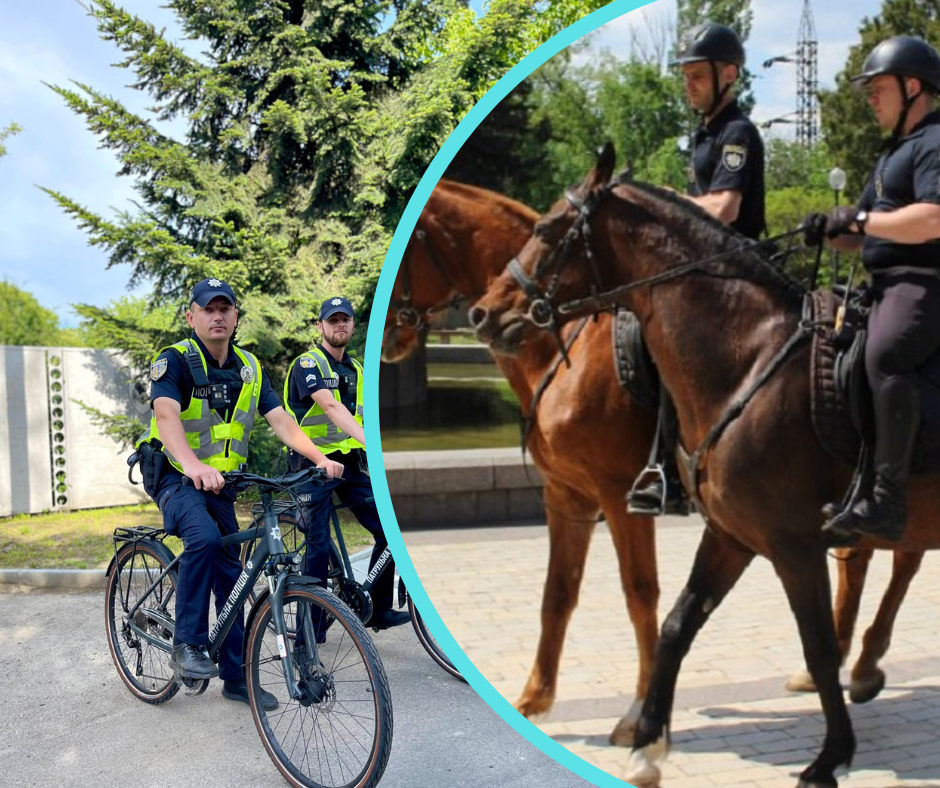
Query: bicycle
335	692
342	582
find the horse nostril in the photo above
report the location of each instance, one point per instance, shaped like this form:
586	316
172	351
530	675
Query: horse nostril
476	316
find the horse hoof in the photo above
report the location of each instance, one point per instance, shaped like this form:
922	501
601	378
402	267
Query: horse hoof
622	735
641	771
534	709
862	691
801	682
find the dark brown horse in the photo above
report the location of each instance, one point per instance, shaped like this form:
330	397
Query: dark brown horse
463	239
724	328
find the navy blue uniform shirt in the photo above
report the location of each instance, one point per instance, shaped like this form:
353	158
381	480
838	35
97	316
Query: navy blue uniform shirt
908	174
306	381
728	155
177	381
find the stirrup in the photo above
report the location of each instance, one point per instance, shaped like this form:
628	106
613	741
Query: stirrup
650	475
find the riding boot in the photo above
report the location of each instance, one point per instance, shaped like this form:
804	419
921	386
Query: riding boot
884	512
663	493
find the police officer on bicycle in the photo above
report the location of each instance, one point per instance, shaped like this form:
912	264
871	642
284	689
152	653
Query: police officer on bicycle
726	180
323	393
205	393
897	226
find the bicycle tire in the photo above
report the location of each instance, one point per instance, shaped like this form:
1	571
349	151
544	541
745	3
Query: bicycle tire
430	644
357	701
142	666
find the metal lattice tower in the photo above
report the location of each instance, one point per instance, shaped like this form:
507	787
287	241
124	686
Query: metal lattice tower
807	80
806	58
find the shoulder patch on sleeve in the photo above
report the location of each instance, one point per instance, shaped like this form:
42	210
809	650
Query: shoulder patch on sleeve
158	369
307	363
733	157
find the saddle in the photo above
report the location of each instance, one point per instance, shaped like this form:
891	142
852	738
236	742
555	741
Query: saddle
841	397
635	369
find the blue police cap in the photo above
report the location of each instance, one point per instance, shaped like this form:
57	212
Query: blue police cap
207	289
333	305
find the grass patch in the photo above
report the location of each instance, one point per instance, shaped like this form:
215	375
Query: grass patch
83	540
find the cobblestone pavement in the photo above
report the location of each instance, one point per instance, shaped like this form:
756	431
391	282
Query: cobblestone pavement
734	725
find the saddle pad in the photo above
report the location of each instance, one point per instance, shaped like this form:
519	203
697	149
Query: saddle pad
635	369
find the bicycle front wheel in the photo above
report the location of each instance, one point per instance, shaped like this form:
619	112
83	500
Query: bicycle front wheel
340	736
143	665
430	644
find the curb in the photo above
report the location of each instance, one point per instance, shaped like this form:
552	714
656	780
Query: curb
92	579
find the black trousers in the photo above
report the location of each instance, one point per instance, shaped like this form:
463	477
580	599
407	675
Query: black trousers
904	326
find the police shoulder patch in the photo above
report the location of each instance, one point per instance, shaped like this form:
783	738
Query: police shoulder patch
733	157
158	369
306	362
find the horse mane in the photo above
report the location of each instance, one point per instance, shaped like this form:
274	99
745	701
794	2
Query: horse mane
494	200
704	230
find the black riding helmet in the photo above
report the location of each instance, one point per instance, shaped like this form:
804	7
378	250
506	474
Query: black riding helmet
903	56
713	43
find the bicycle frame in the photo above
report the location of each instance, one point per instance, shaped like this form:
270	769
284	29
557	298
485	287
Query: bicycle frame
270	547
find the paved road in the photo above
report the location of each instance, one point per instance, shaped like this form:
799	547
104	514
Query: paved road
734	725
67	720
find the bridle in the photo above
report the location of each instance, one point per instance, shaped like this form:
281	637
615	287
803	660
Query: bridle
406	314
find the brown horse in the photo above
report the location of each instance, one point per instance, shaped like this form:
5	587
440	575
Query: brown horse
463	239
725	330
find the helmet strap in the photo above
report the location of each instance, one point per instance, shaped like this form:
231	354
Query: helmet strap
718	95
905	111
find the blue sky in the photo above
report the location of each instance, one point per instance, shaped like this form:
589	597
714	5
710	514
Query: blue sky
54	41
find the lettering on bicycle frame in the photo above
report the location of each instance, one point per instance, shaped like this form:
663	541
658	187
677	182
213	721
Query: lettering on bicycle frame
236	591
379	565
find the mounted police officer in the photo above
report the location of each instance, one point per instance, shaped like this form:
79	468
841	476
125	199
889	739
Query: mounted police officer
205	393
323	394
897	225
726	179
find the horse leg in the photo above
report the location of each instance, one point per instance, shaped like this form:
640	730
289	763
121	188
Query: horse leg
805	579
635	542
570	518
867	678
717	567
853	565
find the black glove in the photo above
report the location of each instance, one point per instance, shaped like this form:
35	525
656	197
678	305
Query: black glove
814	229
840	219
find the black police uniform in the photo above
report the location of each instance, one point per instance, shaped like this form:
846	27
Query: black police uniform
355	487
200	518
904	326
728	155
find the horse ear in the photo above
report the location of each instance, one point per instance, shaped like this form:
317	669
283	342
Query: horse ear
603	167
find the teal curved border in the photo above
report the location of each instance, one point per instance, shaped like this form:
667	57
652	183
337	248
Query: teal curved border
371	402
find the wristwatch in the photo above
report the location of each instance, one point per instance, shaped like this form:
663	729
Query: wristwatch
861	219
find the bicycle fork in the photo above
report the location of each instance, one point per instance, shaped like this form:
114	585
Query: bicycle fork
305	692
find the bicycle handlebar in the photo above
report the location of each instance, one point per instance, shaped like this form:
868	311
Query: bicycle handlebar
240	480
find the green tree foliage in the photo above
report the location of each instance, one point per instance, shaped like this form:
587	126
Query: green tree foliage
848	125
23	321
308	124
10	131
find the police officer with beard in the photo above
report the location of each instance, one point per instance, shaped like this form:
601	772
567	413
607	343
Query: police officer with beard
726	180
897	226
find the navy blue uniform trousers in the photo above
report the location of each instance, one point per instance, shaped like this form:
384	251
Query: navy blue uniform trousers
200	519
354	490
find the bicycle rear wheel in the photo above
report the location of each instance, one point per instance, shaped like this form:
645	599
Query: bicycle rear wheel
342	739
430	644
143	666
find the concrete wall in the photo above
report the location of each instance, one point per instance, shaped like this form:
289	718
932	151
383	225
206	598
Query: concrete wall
460	488
51	455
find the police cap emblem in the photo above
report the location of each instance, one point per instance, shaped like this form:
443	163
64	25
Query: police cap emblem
307	363
247	374
733	157
215	283
157	369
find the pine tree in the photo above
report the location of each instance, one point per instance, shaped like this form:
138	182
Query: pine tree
308	125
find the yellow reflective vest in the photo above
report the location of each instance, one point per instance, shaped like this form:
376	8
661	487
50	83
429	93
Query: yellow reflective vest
216	442
314	423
